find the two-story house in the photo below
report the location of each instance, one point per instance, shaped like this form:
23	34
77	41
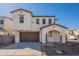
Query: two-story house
37	28
29	28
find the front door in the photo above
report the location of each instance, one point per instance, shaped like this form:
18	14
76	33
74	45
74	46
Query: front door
55	37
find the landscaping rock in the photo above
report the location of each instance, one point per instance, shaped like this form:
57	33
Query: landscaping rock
59	51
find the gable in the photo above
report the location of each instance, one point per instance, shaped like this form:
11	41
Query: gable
55	25
20	10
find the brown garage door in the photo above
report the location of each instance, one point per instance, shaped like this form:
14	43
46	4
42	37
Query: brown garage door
29	36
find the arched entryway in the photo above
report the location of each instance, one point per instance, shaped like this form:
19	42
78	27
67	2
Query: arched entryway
54	36
58	34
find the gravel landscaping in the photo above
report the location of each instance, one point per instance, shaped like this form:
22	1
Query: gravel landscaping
67	49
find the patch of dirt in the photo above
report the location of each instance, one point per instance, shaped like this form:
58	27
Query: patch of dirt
69	48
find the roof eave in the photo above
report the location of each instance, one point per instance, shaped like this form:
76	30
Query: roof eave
54	24
20	9
43	16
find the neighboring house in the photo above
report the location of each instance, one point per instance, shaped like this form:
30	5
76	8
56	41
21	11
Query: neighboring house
5	25
6	29
73	35
76	31
29	28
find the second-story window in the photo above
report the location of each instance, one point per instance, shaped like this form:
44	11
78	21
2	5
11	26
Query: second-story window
21	17
1	21
44	22
37	21
50	21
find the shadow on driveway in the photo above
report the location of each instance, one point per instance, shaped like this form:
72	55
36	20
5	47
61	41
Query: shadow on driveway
23	48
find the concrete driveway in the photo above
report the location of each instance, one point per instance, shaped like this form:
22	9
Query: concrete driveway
22	49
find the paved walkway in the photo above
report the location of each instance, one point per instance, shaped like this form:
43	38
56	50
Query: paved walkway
22	49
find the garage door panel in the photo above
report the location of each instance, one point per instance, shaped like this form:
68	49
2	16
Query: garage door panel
29	36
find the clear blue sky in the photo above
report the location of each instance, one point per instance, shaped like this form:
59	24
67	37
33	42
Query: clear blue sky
68	14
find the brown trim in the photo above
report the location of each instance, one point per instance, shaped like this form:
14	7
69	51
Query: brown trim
43	16
30	12
55	24
20	9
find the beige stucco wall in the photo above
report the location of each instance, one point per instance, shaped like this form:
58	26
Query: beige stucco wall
8	24
36	27
27	20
